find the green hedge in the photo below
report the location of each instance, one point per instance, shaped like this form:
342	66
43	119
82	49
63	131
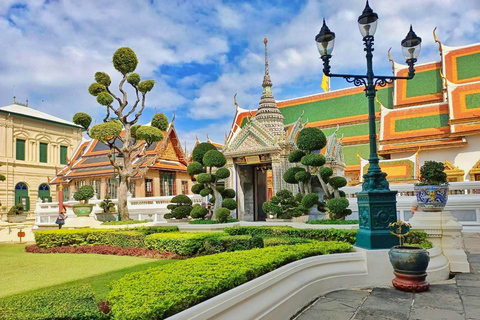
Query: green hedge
182	243
211	221
122	222
125	238
68	303
343	235
163	291
232	243
281	241
332	221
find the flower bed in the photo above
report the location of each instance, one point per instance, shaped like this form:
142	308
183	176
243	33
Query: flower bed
211	221
103	249
122	222
169	289
68	303
326	221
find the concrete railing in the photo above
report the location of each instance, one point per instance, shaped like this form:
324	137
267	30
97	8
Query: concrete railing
147	208
463	202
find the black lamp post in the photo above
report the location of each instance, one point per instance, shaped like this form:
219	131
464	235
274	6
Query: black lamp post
376	203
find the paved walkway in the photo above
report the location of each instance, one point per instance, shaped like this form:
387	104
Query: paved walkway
458	298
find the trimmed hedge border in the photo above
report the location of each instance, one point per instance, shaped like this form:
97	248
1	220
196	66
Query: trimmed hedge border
182	243
326	221
123	222
281	241
169	289
64	303
211	221
232	243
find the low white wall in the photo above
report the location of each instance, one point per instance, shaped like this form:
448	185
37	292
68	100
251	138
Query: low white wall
281	293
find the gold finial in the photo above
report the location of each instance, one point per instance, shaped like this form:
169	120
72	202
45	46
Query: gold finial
208	139
173	119
265	40
391	60
235	100
437	41
196	137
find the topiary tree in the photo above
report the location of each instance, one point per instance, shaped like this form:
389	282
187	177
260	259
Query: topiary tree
432	173
198	212
337	208
284	205
136	139
84	193
207	170
107	205
181	207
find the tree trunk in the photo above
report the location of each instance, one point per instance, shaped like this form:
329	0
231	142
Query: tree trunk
324	186
218	201
336	193
300	186
122	193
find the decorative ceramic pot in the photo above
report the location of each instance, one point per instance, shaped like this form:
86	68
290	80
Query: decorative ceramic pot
82	210
432	197
17	218
410	268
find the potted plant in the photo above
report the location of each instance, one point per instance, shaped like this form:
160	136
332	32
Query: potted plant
432	190
83	195
108	208
16	214
409	262
179	209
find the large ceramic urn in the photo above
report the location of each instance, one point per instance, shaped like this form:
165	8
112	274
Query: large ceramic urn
432	197
410	268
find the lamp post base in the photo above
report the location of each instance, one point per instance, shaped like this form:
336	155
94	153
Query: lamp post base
376	209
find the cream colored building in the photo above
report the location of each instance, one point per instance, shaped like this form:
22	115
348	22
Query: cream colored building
33	146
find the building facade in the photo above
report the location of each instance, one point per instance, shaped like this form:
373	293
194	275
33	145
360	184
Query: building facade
33	146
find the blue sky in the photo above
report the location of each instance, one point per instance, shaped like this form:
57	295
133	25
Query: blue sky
203	52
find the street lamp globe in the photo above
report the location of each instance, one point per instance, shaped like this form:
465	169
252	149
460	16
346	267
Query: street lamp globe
411	45
325	40
367	22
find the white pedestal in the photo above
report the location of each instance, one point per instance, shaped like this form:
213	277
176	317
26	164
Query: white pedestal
75	222
444	231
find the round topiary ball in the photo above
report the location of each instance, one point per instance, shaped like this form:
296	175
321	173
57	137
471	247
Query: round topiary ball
146	86
106	131
171	206
271	208
229	204
205	192
149	134
133	131
196	188
194	168
338	182
200	151
214	158
326	172
212	200
289	175
310	139
125	60
204	178
228	194
96	88
182	212
295	156
313	159
103	78
222	215
84	193
222	173
284	194
104	98
82	119
310	200
182	199
198	212
303	176
160	121
337	205
133	79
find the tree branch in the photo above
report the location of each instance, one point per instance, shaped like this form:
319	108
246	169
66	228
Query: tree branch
134	106
114	96
139	113
124	102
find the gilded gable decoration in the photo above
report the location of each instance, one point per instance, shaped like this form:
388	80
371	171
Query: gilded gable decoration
475	172
453	172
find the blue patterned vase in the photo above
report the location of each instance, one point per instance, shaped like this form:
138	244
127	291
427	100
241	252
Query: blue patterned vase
432	198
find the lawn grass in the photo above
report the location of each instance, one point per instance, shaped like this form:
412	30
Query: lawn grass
24	272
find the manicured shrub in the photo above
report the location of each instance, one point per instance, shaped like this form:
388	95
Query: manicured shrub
134	79
149	134
326	173
169	289
222	215
214	158
325	221
82	119
125	60
151	230
222	173
337	182
211	221
289	175
310	200
310	139
232	243
196	188
205	192
160	121
84	193
194	168
76	302
122	222
296	156
230	204
198	212
302	176
313	159
284	205
283	241
228	193
337	208
181	243
200	150
204	178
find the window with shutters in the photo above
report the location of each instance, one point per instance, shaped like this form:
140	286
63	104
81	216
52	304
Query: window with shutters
167	183
63	154
20	149
43	152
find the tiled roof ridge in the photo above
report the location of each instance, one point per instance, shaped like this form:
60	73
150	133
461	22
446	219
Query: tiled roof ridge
25	110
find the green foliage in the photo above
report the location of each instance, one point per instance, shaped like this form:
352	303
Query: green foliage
106	131
200	151
103	78
96	88
284	205
326	173
84	193
133	79
302	176
104	98
230	204
181	243
313	159
295	156
122	222
75	302
211	221
169	289
337	207
181	208
283	241
205	192
160	121
196	188
432	173
232	243
82	119
214	158
149	134
330	221
289	175
194	168
205	178
222	173
133	131
222	215
310	200
16	210
228	194
125	60
198	212
182	199
2	177
151	230
181	212
107	205
146	86
310	139
337	182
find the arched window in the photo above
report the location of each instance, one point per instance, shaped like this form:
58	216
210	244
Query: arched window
44	192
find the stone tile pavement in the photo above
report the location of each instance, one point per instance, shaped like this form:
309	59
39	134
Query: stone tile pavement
458	298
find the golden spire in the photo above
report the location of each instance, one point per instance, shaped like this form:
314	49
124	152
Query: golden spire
437	41
208	139
391	60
